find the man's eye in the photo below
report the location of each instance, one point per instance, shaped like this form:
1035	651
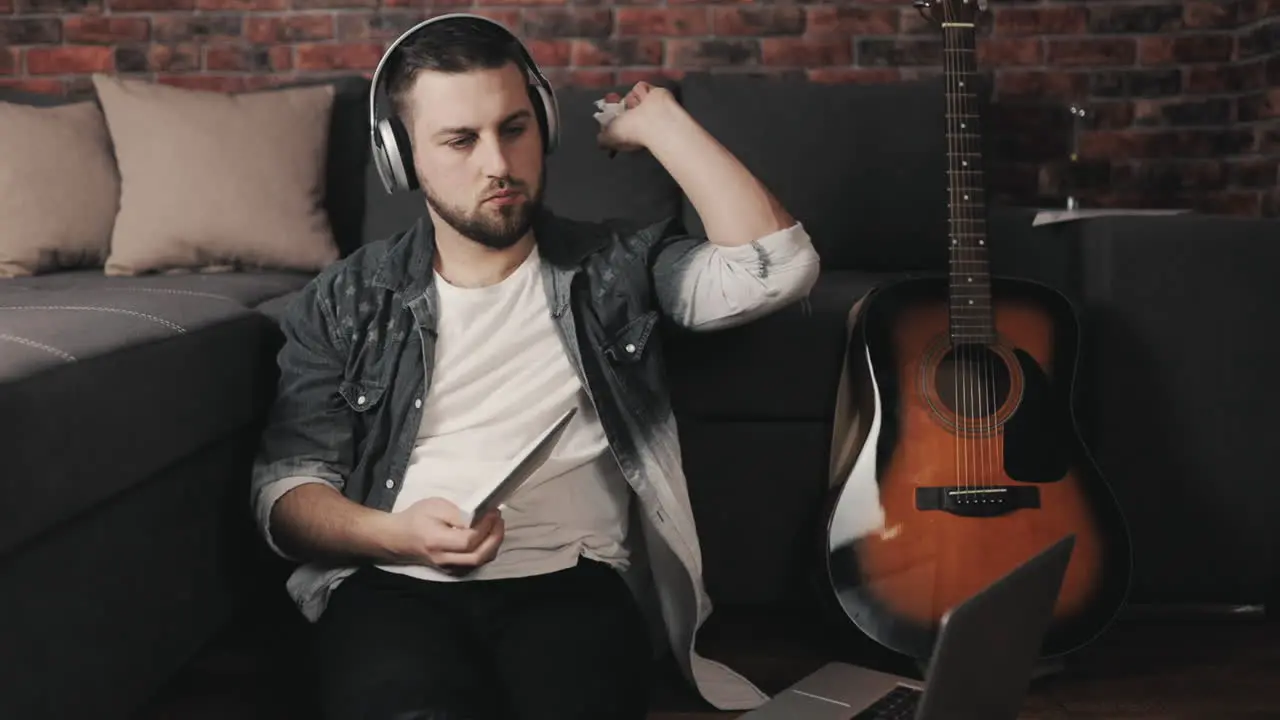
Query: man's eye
461	142
515	130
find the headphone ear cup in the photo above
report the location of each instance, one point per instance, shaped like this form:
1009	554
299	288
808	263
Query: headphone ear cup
395	159
545	101
408	170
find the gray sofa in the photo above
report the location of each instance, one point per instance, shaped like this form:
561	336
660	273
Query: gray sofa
129	407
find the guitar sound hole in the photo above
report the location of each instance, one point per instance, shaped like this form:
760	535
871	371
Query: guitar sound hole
972	381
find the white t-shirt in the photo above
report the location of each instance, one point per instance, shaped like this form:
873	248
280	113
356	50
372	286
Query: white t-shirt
502	376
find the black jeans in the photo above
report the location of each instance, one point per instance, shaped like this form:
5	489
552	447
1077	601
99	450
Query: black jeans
570	645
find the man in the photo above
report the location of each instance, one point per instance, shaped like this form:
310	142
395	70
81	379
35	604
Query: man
415	368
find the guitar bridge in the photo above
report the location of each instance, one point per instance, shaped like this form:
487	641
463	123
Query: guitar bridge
984	501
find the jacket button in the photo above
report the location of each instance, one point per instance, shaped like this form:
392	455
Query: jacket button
417	403
360	400
391	484
630	348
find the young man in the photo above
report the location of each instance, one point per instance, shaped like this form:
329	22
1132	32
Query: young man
417	366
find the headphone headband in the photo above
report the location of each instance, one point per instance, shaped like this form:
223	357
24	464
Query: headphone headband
533	74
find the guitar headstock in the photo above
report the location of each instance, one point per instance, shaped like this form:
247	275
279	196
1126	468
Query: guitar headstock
951	11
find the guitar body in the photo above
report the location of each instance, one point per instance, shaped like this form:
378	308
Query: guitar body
972	465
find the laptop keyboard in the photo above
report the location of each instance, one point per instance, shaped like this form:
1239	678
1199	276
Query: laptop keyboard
899	704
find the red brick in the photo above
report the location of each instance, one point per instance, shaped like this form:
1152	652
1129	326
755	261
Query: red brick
42	86
1235	202
615	52
662	21
333	4
177	58
1259	106
1110	115
550	53
290	29
854	75
1210	14
1185	49
268	5
1041	84
6	7
1254	172
758	21
99	29
1040	20
338	56
57	7
150	5
1010	52
655	76
1164	143
381	26
910	23
9	61
565	77
523	3
184	28
546	23
805	52
238	58
436	7
689	53
1092	52
70	60
30	31
833	20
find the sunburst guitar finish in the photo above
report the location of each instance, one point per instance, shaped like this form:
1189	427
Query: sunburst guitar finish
973	462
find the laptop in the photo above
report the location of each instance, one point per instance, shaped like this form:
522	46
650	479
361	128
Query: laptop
980	669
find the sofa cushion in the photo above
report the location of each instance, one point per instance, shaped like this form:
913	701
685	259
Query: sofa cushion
215	180
248	289
582	182
784	366
100	387
58	188
862	166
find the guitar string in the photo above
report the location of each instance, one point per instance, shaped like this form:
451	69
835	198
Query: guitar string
958	385
979	299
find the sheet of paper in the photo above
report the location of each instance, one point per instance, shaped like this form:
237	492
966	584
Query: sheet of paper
521	468
1049	217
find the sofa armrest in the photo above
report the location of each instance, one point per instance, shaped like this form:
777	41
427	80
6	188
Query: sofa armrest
1179	385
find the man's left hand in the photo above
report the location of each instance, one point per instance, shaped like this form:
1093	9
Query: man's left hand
645	104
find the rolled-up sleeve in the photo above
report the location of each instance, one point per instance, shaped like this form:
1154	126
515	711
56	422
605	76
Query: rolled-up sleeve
704	286
308	436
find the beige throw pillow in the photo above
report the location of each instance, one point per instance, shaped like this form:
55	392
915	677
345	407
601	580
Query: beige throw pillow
211	181
58	188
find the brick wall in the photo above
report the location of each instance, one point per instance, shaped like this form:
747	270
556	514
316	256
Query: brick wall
1182	97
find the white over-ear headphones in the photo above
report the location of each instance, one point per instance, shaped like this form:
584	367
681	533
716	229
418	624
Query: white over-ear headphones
392	153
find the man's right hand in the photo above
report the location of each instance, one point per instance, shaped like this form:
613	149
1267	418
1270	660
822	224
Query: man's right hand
433	532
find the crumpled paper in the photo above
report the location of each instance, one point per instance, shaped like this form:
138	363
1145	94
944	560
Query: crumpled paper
608	112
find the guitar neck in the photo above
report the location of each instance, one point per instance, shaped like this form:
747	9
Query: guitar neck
971	315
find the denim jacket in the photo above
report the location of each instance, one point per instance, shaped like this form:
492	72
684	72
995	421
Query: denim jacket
357	363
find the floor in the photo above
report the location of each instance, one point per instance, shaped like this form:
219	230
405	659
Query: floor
1141	670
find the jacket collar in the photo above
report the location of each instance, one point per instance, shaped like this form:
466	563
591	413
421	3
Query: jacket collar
405	267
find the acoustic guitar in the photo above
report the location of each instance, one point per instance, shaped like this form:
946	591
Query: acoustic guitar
969	460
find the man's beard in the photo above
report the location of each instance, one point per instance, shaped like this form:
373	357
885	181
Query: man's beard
498	230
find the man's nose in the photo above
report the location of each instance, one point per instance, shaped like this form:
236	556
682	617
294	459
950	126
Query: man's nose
493	158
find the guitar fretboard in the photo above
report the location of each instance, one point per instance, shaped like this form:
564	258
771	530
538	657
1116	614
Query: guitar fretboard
971	316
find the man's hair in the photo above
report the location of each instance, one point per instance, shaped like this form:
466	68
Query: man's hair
453	46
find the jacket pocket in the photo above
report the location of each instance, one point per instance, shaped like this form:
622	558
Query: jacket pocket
361	396
628	344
